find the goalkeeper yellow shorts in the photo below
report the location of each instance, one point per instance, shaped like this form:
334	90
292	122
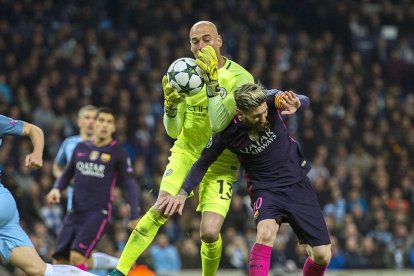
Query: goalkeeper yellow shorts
215	190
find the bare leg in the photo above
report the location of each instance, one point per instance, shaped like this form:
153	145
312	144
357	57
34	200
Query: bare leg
27	259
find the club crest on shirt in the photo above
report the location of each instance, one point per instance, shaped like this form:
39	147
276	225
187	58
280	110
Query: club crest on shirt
256	215
105	157
168	172
94	155
223	91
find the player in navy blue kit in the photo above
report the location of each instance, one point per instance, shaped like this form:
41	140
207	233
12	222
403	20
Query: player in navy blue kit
276	177
96	167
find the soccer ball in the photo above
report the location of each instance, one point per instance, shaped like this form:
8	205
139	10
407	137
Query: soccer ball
185	76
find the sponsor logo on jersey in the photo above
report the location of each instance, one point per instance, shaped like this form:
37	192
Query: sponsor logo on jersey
261	144
168	172
105	157
91	169
94	155
198	110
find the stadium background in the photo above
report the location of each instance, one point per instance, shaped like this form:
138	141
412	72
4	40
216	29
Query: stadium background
354	59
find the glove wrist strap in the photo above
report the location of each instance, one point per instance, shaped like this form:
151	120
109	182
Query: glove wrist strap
170	111
213	89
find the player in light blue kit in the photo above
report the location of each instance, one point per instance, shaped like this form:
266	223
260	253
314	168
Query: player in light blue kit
86	118
15	246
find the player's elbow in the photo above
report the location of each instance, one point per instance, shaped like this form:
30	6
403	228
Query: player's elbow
217	127
57	170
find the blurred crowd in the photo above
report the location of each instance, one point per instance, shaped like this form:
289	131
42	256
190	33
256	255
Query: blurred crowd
353	59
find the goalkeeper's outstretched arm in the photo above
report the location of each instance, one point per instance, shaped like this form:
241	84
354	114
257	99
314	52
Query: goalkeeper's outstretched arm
173	122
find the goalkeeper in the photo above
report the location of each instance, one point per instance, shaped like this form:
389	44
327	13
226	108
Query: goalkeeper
187	120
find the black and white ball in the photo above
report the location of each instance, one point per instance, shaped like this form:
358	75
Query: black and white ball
185	76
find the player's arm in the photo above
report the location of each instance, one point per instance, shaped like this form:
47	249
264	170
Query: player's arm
57	170
173	123
60	161
130	186
288	102
174	109
63	181
222	111
210	153
34	159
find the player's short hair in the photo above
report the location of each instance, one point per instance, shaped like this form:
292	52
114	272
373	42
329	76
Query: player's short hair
249	95
105	109
85	108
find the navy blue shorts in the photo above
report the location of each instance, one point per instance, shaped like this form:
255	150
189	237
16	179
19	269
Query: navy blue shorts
297	205
81	232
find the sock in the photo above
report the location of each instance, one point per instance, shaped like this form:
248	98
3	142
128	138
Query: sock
259	261
49	270
140	239
310	268
210	257
62	270
82	266
104	261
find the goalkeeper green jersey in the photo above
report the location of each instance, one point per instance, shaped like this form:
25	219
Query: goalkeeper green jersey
196	128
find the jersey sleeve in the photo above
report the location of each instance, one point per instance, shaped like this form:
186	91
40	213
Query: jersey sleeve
129	184
63	181
221	111
9	126
209	154
304	101
174	124
60	158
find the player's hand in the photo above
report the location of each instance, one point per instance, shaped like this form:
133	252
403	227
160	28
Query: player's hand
33	161
171	96
132	224
208	62
53	196
172	204
288	102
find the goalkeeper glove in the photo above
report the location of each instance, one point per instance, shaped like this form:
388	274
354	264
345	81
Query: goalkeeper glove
171	98
208	62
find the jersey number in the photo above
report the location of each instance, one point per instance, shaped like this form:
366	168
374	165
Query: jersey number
227	195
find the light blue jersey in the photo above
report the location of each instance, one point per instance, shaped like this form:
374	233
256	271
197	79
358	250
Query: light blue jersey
63	157
11	234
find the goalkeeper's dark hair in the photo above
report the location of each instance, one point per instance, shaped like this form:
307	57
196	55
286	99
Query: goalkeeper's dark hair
249	95
105	109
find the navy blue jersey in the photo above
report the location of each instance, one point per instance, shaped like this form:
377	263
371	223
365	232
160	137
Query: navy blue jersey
271	162
96	171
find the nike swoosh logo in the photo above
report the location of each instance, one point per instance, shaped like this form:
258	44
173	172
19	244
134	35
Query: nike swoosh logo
80	154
